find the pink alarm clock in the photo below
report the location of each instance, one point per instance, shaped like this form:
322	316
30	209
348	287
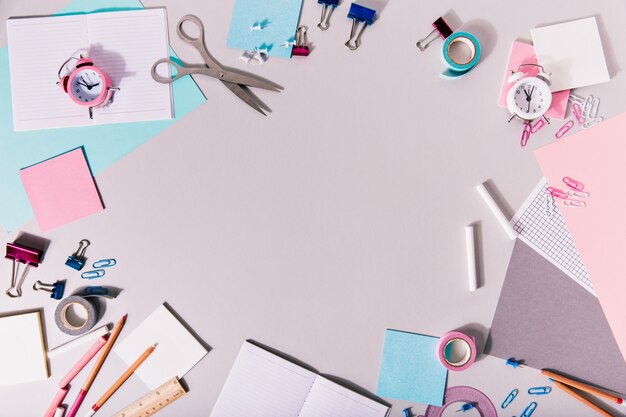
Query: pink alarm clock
87	85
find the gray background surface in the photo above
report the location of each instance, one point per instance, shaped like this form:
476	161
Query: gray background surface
338	216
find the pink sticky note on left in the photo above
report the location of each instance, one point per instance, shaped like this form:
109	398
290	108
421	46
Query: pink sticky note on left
524	53
61	190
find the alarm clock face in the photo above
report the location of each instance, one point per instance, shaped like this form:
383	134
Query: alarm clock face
87	87
530	98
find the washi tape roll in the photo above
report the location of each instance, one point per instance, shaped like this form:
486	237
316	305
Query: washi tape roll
448	354
455	395
457	65
76	315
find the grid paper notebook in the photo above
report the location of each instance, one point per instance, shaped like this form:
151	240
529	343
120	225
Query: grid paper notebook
541	225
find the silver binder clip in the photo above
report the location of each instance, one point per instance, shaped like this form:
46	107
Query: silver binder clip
328	7
361	16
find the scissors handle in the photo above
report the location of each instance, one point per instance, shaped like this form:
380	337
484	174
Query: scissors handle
180	71
196	41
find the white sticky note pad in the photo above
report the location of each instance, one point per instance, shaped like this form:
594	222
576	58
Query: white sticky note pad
176	353
572	52
22	350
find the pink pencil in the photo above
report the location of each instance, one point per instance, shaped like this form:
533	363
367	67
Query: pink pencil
82	362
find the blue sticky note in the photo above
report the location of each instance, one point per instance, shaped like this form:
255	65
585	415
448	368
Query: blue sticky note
278	19
104	144
410	369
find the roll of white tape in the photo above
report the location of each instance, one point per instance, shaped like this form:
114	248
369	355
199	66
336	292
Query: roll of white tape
75	315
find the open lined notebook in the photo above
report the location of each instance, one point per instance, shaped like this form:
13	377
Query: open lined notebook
262	384
123	44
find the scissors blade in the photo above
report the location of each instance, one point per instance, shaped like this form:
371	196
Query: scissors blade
250	81
243	95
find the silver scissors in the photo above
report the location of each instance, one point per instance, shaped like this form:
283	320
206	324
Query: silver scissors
235	81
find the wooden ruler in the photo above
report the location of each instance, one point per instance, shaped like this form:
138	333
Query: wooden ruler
154	401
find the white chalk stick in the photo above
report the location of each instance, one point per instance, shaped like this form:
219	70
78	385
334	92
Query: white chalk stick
495	209
79	341
470	250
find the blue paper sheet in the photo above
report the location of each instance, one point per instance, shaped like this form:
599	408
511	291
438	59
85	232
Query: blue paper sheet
104	144
410	369
279	19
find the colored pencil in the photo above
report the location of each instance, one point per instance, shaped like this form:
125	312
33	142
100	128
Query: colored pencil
568	390
583	387
96	368
117	384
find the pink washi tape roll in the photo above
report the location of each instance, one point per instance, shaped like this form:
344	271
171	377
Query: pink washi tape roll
456	351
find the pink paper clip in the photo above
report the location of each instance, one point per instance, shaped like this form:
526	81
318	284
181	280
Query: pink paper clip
525	134
574	203
573	184
564	129
537	125
578	113
556	193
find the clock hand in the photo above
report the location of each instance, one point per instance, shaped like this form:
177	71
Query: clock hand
81	83
527	96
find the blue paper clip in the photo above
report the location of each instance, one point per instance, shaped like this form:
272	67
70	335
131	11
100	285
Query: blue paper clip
539	390
360	15
77	259
98	273
509	398
104	263
56	290
466	407
407	412
328	7
513	363
529	409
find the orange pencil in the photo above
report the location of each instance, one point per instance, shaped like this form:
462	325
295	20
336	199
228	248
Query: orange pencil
96	368
583	387
117	384
570	391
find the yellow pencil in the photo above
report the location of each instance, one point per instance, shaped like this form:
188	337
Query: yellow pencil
96	368
582	386
120	381
570	391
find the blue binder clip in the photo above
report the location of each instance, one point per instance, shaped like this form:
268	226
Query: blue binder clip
56	290
360	15
94	291
77	259
407	412
328	7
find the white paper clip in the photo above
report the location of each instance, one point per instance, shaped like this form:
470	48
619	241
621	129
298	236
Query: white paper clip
594	108
577	194
592	122
573	98
574	203
587	105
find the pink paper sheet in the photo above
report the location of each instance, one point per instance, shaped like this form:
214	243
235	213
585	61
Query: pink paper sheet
524	53
61	190
596	157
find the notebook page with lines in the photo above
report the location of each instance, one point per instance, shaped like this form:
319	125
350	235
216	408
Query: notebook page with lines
124	44
541	225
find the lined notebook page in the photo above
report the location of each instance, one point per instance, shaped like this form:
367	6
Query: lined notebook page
261	384
328	399
124	44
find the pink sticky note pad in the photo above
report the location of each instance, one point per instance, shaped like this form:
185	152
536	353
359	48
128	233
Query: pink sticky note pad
61	190
524	53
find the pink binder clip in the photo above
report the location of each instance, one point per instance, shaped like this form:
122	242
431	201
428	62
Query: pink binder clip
578	113
574	203
525	134
301	48
21	254
556	193
573	184
537	125
564	129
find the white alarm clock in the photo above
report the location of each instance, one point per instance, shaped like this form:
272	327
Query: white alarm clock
530	97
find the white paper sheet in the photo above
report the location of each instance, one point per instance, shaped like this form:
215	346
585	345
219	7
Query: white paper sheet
572	52
123	44
176	353
22	350
330	399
